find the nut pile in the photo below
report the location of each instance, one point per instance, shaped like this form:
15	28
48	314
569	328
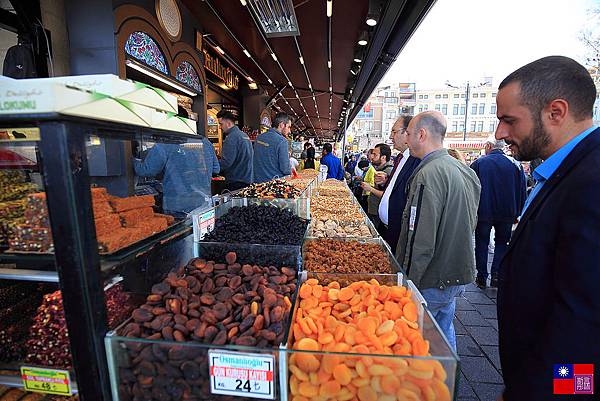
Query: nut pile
335	256
328	228
363	318
212	303
300	183
308	173
48	342
332	208
258	224
279	188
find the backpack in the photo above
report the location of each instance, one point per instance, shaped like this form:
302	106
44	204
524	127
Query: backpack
18	62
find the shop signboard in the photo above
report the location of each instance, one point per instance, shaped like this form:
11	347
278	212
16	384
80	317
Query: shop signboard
216	66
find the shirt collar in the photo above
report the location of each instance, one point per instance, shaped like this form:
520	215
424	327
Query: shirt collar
545	170
406	153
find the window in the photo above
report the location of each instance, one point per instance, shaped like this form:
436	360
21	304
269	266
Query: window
420	96
438	96
456	95
437	107
472	126
143	47
474	108
392	94
445	96
386	94
494	94
454	126
426	107
493	109
187	74
444	109
420	108
480	126
461	126
481	108
390	114
492	127
387	127
475	95
462	95
462	109
455	109
426	96
482	95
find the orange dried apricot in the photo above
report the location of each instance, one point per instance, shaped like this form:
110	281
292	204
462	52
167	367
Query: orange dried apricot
342	374
307	344
410	311
330	389
366	393
308	390
345	294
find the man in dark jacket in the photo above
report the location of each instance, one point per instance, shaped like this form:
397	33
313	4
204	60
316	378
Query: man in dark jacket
271	155
383	168
503	191
394	192
548	302
236	157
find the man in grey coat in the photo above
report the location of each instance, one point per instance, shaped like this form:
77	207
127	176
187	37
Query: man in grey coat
236	157
435	246
271	156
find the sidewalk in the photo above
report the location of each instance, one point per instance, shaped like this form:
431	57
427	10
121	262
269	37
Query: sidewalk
476	327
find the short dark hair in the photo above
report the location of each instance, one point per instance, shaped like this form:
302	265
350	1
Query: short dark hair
405	120
362	164
327	147
280	118
226	115
555	77
384	150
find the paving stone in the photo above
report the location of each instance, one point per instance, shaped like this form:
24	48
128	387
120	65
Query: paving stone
459	329
492	353
483	335
479	370
493	323
465	391
487	311
478	298
491	292
472	288
487	391
467	347
463	304
471	318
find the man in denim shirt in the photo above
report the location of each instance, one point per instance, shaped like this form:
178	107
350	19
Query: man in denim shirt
271	158
236	157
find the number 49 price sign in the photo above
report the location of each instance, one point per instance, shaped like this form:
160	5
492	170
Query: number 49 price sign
242	374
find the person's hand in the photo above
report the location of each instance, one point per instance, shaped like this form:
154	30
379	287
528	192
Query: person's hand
380	178
366	187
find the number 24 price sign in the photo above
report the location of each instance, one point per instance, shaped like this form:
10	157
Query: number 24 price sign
242	374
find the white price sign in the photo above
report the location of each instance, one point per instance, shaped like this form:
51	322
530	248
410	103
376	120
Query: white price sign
242	374
203	224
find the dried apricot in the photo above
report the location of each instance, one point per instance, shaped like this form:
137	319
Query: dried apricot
410	311
342	374
346	294
366	393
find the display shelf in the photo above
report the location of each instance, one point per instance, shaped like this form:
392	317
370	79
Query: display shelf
29	275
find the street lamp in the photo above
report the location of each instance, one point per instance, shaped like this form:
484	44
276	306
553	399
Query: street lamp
467	92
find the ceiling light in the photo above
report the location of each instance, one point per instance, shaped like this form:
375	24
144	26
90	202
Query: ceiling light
373	12
309	86
155	75
329	63
219	50
351	90
290	84
357	60
249	79
330	89
252	85
371	21
330	100
269	79
363	39
352	71
247	54
329	8
301	60
276	18
243	2
274	56
345	101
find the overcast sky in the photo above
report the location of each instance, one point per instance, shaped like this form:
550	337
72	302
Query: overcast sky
462	40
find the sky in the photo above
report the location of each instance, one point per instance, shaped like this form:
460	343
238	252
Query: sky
462	40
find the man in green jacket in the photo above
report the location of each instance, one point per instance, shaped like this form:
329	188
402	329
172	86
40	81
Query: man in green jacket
436	240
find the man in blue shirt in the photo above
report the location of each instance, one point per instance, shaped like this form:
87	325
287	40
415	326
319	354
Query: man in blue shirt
334	165
548	301
271	156
503	191
236	156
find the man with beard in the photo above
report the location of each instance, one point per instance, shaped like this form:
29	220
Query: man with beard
380	158
548	303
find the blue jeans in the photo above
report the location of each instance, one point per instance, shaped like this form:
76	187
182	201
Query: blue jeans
482	241
442	304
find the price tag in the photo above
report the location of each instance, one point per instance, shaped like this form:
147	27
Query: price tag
203	224
241	374
43	380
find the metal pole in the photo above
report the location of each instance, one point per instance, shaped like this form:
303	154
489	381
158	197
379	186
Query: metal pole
345	129
466	113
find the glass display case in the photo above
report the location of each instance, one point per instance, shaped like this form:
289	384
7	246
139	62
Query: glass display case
88	218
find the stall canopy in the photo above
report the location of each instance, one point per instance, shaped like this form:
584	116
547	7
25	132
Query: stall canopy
306	53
